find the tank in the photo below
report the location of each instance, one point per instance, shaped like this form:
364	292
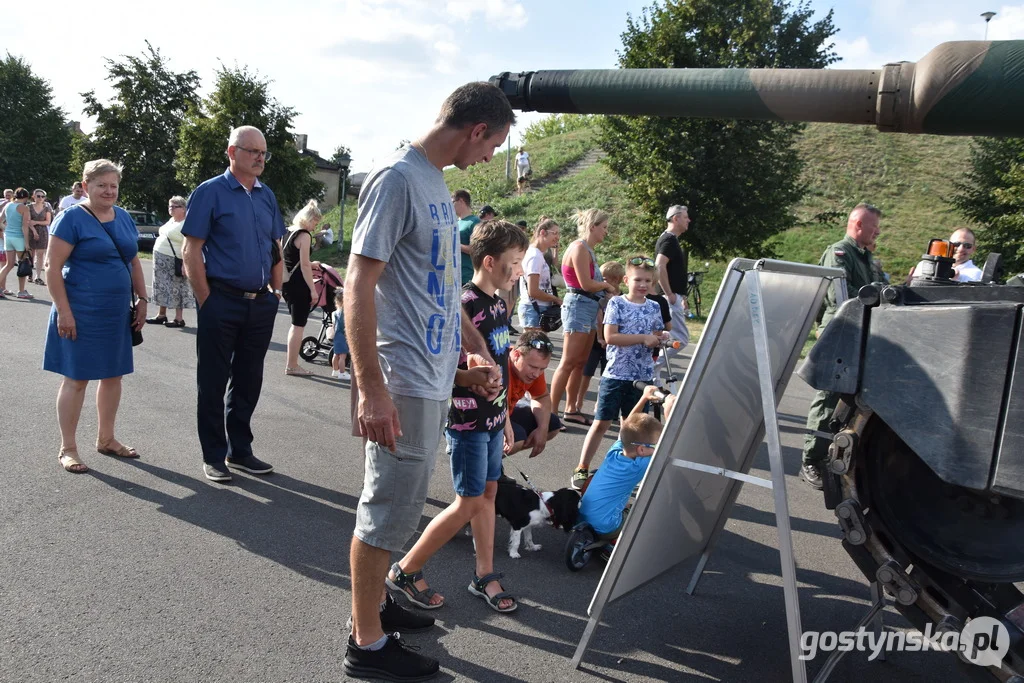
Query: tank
926	468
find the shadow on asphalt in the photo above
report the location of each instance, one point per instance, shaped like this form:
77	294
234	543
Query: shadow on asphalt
290	525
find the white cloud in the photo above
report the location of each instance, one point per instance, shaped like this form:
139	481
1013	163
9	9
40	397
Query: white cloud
498	13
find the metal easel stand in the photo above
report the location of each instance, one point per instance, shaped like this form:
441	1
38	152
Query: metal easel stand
777	483
873	617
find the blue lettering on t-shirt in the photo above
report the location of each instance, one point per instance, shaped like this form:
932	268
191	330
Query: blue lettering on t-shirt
440	277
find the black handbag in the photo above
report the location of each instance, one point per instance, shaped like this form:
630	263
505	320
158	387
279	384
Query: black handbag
25	265
136	334
179	264
550	317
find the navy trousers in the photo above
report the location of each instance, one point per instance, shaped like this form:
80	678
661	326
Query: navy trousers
231	342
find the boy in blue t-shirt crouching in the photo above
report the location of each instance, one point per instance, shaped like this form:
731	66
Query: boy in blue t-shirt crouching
606	495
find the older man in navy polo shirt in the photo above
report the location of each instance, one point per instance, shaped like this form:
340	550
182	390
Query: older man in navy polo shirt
231	233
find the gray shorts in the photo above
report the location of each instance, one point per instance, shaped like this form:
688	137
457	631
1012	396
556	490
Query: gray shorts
395	484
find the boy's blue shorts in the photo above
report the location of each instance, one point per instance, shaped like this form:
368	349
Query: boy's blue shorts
616	397
475	459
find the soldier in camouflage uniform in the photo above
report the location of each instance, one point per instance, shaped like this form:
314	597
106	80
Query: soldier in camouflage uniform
853	255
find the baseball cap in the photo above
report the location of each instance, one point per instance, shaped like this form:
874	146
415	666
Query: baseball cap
487	208
673	210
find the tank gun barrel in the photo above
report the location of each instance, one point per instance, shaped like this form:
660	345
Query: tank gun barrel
959	88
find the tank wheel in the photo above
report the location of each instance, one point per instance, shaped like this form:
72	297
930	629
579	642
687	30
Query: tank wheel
309	349
579	548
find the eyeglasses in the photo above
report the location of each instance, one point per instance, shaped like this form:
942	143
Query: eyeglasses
652	446
965	245
641	261
172	207
539	344
255	152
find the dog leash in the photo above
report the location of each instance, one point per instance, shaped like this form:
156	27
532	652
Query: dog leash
537	491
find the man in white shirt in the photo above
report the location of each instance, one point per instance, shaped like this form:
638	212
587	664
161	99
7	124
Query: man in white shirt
76	197
966	244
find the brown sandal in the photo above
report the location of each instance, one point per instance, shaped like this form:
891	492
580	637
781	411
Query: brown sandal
68	458
121	452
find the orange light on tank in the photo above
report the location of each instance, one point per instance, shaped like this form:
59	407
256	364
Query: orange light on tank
940	248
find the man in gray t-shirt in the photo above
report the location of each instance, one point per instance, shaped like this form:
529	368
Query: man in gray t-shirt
406	329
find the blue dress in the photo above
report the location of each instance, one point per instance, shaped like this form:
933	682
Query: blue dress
99	292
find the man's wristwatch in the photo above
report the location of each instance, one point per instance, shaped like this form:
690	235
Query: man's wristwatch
142	298
278	293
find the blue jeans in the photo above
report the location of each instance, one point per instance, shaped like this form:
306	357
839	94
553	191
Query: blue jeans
475	459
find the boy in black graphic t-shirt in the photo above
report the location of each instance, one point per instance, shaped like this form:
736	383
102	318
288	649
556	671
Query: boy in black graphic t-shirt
476	427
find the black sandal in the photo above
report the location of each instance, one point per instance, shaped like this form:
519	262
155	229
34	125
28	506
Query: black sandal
576	417
159	320
406	584
478	587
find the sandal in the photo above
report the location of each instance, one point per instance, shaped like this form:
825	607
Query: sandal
68	458
297	372
121	451
158	320
478	587
577	417
406	584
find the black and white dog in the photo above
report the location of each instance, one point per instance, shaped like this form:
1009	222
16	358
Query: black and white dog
524	509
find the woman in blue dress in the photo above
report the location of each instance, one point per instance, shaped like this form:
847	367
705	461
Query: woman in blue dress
92	268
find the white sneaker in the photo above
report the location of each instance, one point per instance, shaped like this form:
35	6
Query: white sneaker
335	374
345	375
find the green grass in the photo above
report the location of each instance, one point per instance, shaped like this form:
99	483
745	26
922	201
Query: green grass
487	182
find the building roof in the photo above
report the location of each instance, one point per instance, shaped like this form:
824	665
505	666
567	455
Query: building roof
320	162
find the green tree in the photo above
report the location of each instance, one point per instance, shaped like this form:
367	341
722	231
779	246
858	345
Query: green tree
35	140
557	124
740	179
139	127
339	152
241	98
992	194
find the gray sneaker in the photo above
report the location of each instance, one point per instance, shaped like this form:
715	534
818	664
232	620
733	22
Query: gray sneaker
216	472
579	478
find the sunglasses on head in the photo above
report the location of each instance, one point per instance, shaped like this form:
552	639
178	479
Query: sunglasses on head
641	261
965	245
540	345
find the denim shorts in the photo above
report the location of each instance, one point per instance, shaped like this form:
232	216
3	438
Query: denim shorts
579	314
616	397
476	459
395	484
530	316
340	342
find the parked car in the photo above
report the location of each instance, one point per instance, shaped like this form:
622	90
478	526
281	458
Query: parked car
148	226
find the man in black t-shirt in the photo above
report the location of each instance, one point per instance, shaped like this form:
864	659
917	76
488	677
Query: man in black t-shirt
672	263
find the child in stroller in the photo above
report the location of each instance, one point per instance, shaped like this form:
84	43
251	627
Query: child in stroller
327	281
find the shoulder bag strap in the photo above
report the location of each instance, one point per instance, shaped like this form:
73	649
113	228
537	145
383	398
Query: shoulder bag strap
291	238
114	242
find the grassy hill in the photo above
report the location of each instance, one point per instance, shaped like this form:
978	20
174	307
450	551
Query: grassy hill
909	177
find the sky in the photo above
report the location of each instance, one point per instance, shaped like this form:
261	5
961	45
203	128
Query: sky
370	73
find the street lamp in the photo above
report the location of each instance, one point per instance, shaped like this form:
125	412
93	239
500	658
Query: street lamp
343	161
988	17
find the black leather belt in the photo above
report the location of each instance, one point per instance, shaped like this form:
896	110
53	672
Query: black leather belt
235	291
583	292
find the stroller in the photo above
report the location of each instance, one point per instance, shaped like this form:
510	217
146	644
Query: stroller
326	282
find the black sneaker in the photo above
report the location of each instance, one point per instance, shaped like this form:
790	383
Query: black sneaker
812	475
396	661
216	472
250	464
394	617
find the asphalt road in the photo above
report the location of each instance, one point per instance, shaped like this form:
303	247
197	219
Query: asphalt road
145	571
